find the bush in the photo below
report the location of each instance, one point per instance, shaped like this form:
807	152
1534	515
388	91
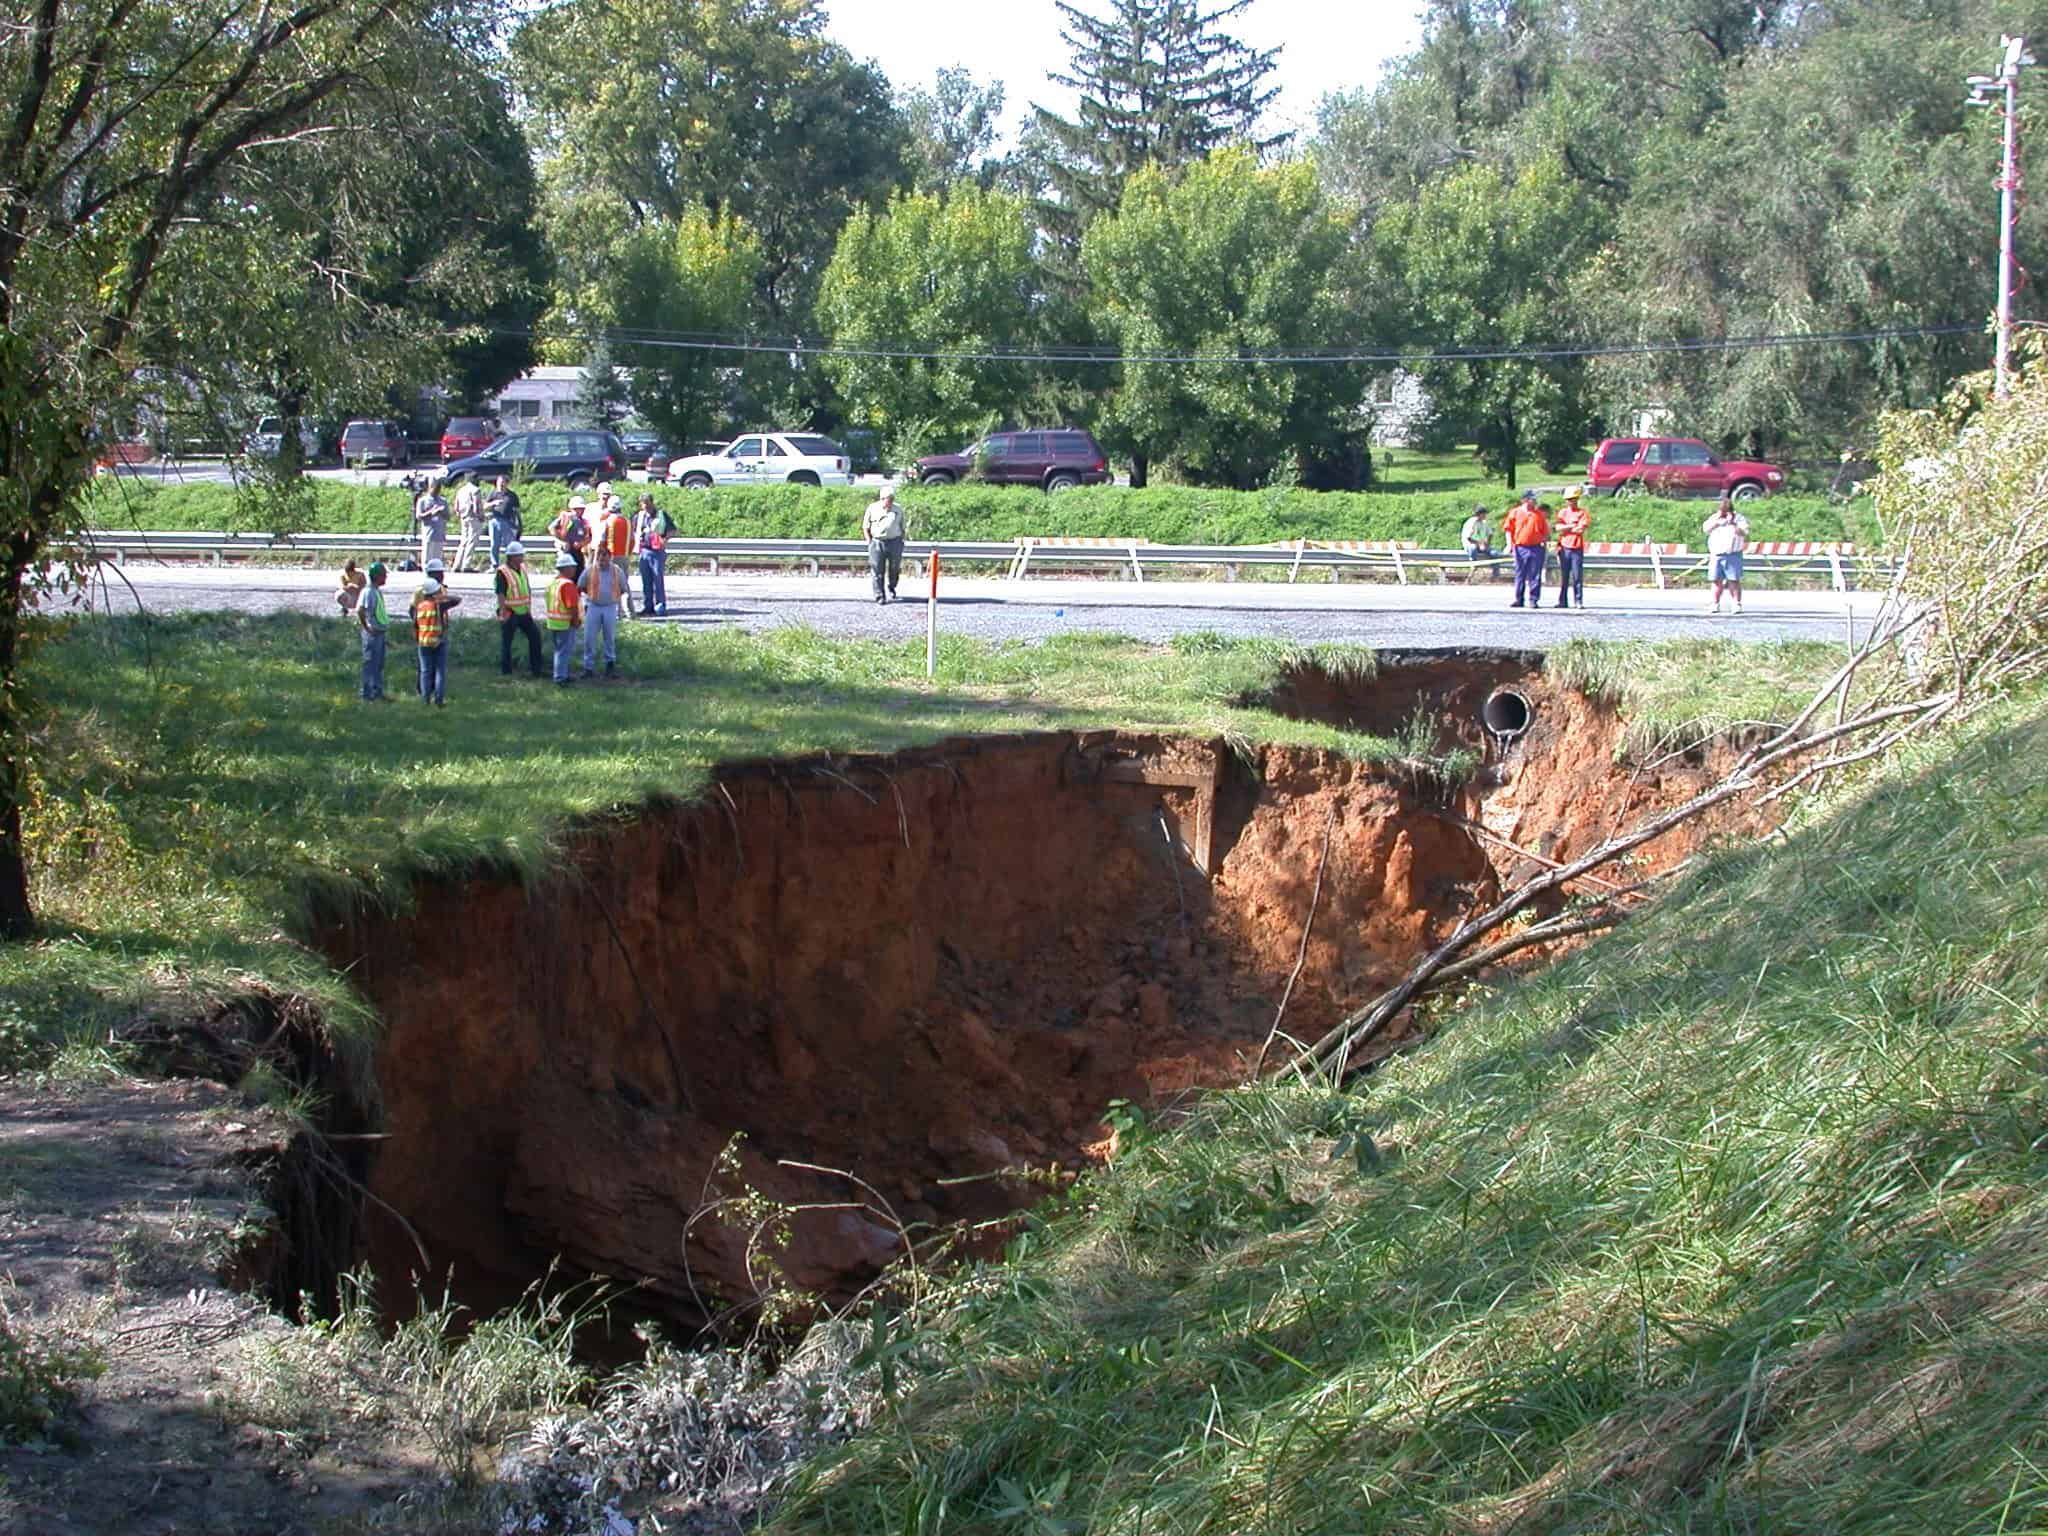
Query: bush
38	1381
1163	514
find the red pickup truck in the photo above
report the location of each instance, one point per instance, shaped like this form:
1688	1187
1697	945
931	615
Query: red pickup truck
1677	466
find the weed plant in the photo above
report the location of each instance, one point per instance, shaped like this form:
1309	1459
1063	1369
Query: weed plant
1733	1222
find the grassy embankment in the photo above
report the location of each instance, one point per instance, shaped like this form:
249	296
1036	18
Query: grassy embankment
1430	513
205	787
1736	1221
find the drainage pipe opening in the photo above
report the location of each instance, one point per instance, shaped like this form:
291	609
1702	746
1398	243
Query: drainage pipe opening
1506	713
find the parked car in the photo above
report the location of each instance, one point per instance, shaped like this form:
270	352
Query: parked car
465	435
580	458
765	458
1054	460
646	450
381	442
267	441
1677	466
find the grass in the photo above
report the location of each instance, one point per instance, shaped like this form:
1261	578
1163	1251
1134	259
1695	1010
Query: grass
1733	1222
207	790
1674	696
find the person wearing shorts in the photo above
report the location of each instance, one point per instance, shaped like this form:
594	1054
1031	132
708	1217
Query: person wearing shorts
1727	534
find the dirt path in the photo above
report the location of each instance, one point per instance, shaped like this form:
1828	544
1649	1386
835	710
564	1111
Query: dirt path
122	1207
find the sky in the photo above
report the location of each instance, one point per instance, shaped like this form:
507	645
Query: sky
1325	45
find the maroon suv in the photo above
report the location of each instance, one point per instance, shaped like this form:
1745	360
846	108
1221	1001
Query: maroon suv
1677	466
465	435
1057	459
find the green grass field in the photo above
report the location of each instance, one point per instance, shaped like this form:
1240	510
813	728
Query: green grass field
1736	1221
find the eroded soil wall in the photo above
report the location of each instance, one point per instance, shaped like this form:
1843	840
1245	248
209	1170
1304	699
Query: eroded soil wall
919	970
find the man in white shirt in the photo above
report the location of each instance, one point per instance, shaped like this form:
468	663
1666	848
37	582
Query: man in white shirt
469	507
1727	536
882	526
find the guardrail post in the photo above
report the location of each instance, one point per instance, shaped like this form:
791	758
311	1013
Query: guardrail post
1294	571
1400	570
1023	561
1137	573
813	564
1835	566
1656	564
714	565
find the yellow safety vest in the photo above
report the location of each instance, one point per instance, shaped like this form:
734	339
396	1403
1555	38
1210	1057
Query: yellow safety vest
562	603
518	592
426	618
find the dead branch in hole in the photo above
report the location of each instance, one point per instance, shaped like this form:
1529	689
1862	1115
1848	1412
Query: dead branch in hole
1985	649
732	814
1527	853
647	1008
1301	957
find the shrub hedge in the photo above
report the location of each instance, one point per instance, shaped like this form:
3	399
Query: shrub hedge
1171	514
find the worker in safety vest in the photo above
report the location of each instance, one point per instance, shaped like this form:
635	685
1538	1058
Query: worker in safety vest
515	610
612	531
565	614
430	605
572	532
1528	533
1572	522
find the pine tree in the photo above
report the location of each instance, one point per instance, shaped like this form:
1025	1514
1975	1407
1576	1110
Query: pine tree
603	399
1160	84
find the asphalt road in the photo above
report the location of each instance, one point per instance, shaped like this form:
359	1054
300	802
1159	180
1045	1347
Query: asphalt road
1372	613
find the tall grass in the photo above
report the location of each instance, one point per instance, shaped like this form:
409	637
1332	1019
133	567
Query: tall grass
1735	1221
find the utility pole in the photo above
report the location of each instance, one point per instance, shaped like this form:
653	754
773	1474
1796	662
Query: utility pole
2007	80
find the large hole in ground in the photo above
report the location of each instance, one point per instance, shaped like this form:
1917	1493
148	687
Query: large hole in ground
920	970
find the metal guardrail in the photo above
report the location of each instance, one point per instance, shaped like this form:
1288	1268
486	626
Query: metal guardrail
1839	570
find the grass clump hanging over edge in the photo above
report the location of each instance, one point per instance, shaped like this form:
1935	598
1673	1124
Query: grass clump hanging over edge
1734	1220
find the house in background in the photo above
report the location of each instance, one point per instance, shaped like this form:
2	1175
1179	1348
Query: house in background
1400	407
539	397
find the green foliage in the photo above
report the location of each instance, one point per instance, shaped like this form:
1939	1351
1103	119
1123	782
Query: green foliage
1224	257
1157	85
1164	514
955	271
647	112
952	128
1482	261
39	1379
1734	1219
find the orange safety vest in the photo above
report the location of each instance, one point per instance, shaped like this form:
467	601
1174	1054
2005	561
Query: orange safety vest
426	619
562	602
518	593
612	533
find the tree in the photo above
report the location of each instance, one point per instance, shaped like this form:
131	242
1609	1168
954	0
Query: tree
1160	84
139	138
602	400
644	111
952	128
953	273
693	278
1223	259
1481	264
1854	153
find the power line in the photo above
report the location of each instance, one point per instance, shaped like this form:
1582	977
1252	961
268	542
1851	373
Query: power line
1250	356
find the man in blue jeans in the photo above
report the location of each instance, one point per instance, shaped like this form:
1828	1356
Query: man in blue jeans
374	615
430	607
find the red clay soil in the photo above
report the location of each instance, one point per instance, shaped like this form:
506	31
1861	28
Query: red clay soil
920	970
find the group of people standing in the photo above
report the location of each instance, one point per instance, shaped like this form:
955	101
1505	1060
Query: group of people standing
1530	526
587	594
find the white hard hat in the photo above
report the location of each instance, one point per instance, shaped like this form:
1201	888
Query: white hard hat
565	561
604	487
577	503
436	566
514	548
429	587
